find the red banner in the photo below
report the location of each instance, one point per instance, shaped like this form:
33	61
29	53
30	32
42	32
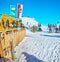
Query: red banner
19	10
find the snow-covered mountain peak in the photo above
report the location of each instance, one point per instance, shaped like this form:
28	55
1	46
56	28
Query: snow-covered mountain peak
27	21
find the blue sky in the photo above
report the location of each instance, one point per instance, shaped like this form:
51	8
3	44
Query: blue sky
44	11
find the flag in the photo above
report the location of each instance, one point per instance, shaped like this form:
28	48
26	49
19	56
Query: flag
13	10
20	8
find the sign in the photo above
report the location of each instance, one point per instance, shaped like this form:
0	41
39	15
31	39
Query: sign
13	10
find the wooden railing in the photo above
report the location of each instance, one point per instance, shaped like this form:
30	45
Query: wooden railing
9	40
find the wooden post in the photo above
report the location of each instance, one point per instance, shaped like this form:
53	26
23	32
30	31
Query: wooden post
12	47
0	46
1	49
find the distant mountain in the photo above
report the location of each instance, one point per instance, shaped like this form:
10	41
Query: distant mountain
28	21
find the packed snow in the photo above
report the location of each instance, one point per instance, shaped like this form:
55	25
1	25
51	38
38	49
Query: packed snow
39	47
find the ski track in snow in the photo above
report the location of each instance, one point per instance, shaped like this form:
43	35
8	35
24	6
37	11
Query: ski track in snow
44	48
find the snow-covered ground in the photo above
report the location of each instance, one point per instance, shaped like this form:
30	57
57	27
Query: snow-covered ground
39	47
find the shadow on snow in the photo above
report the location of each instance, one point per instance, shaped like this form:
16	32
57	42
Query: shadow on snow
31	58
56	36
